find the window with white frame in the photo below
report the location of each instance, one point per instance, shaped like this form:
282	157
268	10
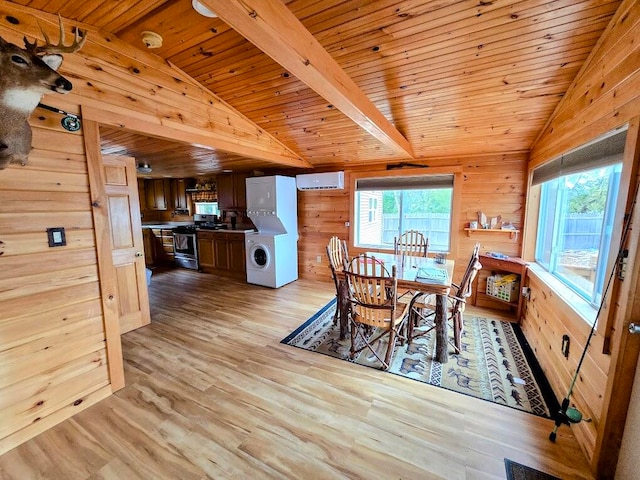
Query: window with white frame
578	194
208	208
387	206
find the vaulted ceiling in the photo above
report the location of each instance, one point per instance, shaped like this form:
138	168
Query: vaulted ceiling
402	79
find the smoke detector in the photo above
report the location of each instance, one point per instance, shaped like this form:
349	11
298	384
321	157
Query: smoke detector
151	39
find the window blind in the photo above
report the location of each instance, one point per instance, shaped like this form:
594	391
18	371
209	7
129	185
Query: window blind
418	182
600	153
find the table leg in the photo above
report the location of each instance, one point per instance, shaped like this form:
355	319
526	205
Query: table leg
442	350
343	308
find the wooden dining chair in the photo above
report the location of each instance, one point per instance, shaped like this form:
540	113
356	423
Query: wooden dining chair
412	243
337	253
423	306
375	311
366	264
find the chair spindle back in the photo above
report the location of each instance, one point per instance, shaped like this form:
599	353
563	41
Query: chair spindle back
412	243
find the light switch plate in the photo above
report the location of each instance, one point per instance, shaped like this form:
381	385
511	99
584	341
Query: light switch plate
56	237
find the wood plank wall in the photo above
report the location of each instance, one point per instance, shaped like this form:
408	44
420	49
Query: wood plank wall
547	318
494	184
605	94
52	354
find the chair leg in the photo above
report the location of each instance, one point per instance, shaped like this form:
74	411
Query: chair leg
415	316
353	340
365	333
457	331
390	347
412	320
344	308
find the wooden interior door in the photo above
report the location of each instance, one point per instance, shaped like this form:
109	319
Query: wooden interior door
121	189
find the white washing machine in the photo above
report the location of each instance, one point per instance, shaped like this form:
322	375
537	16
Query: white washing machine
272	259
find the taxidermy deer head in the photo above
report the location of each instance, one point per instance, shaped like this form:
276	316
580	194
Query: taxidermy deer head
25	75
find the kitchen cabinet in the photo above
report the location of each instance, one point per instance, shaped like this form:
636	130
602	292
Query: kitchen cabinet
148	240
167	246
240	191
163	245
156	194
232	191
205	251
224	184
179	196
142	195
237	256
220	252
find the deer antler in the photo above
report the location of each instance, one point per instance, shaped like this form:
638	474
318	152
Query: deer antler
78	42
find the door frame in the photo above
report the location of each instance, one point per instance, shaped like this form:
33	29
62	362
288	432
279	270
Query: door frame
92	118
106	268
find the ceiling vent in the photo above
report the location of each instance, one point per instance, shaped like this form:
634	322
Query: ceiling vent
320	181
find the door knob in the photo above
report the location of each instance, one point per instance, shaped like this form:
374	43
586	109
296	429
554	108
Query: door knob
138	254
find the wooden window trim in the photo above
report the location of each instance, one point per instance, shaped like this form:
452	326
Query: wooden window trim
351	179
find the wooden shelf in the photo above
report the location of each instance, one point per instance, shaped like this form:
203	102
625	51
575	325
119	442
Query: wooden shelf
513	304
512	233
512	265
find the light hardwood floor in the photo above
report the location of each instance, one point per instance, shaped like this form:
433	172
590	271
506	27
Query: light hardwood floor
211	393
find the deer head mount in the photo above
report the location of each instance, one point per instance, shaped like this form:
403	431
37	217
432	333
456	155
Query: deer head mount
25	75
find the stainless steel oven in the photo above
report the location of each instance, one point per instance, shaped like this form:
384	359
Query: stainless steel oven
185	246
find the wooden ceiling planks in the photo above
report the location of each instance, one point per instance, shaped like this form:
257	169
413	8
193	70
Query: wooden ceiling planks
454	77
294	95
109	15
173	159
275	30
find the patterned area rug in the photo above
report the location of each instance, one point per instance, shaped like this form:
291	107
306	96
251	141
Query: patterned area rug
491	366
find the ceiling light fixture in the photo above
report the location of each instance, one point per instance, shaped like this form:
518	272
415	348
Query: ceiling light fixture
202	10
144	168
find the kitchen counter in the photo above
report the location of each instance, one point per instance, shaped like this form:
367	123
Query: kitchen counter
169	226
227	230
165	226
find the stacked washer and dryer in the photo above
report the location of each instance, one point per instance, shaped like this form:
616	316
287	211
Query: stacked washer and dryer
272	251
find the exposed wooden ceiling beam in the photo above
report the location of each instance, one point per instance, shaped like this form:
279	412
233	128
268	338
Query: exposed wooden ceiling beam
271	27
111	75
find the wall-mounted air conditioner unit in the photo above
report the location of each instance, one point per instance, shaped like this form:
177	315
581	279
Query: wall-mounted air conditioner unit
320	181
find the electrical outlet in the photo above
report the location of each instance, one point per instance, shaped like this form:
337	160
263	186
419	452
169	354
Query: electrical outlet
319	259
566	341
346	224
